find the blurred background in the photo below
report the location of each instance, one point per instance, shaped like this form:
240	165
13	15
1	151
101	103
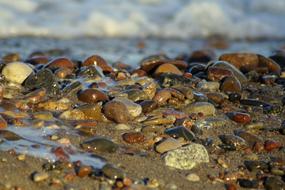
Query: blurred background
178	19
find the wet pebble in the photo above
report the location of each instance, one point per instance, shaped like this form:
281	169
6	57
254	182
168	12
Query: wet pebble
187	157
100	144
84	171
16	72
239	117
231	85
193	177
167	68
134	109
116	111
208	86
247	183
113	172
99	61
218	73
92	96
61	62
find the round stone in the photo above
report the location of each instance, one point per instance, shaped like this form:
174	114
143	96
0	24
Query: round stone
167	145
116	111
92	96
17	72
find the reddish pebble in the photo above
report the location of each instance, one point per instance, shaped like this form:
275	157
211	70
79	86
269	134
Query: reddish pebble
139	73
167	68
218	73
116	111
60	153
92	96
270	145
231	186
134	137
3	123
61	62
187	75
84	171
99	61
240	117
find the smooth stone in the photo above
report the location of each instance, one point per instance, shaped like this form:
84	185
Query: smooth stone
167	68
151	62
99	61
185	158
251	139
113	172
100	144
201	56
208	86
239	117
148	105
40	176
233	142
193	177
74	114
180	131
93	111
247	183
167	145
61	62
117	111
92	96
206	108
3	123
231	85
133	108
137	95
218	73
237	73
9	135
254	165
16	72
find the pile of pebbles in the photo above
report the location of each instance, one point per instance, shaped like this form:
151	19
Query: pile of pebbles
192	110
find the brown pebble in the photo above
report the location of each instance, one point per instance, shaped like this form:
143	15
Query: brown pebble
202	56
231	186
99	61
270	145
134	137
92	96
84	171
230	85
63	72
218	73
116	111
36	60
240	117
61	62
167	68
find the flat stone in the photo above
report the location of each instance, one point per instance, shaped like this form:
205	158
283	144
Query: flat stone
206	108
185	158
100	144
167	145
193	177
133	108
40	176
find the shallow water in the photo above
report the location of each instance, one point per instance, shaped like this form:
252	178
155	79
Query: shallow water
126	50
235	19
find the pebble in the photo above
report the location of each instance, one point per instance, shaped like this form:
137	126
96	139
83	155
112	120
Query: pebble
254	165
187	157
117	111
274	183
167	145
177	132
3	123
100	144
202	56
193	177
99	61
239	75
113	172
233	142
167	68
92	96
93	111
270	145
239	117
208	86
206	108
39	176
17	72
218	73
247	183
231	85
133	137
148	105
133	108
84	171
61	62
122	126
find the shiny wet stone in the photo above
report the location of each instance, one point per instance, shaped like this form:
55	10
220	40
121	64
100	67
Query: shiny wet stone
180	131
100	144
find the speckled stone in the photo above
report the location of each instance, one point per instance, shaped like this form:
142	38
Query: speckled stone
206	108
185	158
16	72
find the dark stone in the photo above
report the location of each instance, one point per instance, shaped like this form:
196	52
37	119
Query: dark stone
100	144
247	183
180	131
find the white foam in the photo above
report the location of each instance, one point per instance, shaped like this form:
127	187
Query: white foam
161	18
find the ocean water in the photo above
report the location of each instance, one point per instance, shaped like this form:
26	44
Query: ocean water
179	19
